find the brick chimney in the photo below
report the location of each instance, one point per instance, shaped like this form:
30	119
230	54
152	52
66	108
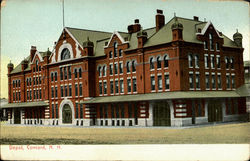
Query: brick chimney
196	18
159	20
32	52
135	27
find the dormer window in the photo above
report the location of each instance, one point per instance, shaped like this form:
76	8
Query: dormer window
65	54
37	65
205	45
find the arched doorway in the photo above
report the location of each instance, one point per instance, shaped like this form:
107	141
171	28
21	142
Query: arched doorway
66	114
214	111
161	114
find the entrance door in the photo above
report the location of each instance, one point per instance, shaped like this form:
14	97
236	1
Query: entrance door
193	112
161	114
214	111
17	116
66	114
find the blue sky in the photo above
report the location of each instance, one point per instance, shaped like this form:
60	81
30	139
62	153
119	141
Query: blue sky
39	22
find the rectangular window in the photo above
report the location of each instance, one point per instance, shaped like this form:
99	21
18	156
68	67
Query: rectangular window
122	111
55	76
69	72
65	73
105	87
213	82
19	95
101	111
232	63
80	72
76	89
217	47
212	61
205	45
80	89
116	68
191	80
36	94
134	85
152	83
111	87
207	82
56	92
40	94
228	81
167	87
159	82
130	110
70	90
13	96
27	95
61	91
30	95
100	87
52	92
56	110
61	73
81	110
106	111
120	67
52	111
66	90
75	72
112	111
129	85
117	111
218	61
116	87
77	111
121	86
219	81
197	80
111	69
233	81
206	61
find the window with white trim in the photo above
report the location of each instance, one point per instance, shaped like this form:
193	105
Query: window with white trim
134	85
218	61
190	61
207	81
105	87
191	81
115	49
233	81
197	80
232	63
100	88
65	54
116	68
116	87
211	42
151	62
228	81
167	86
196	60
219	80
133	66
213	81
206	61
120	67
111	87
158	62
166	61
111	69
129	85
121	86
128	67
104	70
212	61
159	77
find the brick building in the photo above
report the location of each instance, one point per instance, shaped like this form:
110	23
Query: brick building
178	73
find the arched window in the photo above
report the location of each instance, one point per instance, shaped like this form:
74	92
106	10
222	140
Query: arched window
128	67
227	62
115	49
52	76
190	60
75	72
37	65
166	61
65	54
133	66
151	62
99	71
196	58
158	60
232	63
104	70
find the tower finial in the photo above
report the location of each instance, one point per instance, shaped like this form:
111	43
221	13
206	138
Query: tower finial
236	30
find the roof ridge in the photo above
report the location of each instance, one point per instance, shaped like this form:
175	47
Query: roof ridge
88	30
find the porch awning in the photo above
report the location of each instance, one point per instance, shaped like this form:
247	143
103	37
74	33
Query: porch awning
163	96
25	104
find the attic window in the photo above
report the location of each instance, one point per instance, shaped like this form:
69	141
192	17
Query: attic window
126	38
199	30
106	43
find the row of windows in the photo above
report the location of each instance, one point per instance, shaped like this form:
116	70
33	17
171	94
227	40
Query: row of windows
193	61
115	54
37	94
65	73
16	83
79	110
67	91
114	86
211	44
118	111
159	82
232	106
159	63
210	81
37	68
54	110
36	81
17	96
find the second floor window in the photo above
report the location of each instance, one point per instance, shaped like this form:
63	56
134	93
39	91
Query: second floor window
167	87
196	58
165	61
152	78
159	82
151	63
133	66
129	85
111	87
134	85
191	80
121	86
190	60
65	54
158	62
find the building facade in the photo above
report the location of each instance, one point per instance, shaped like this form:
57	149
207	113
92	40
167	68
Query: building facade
178	73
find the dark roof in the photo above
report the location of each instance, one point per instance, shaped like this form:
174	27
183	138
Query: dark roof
165	96
25	104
